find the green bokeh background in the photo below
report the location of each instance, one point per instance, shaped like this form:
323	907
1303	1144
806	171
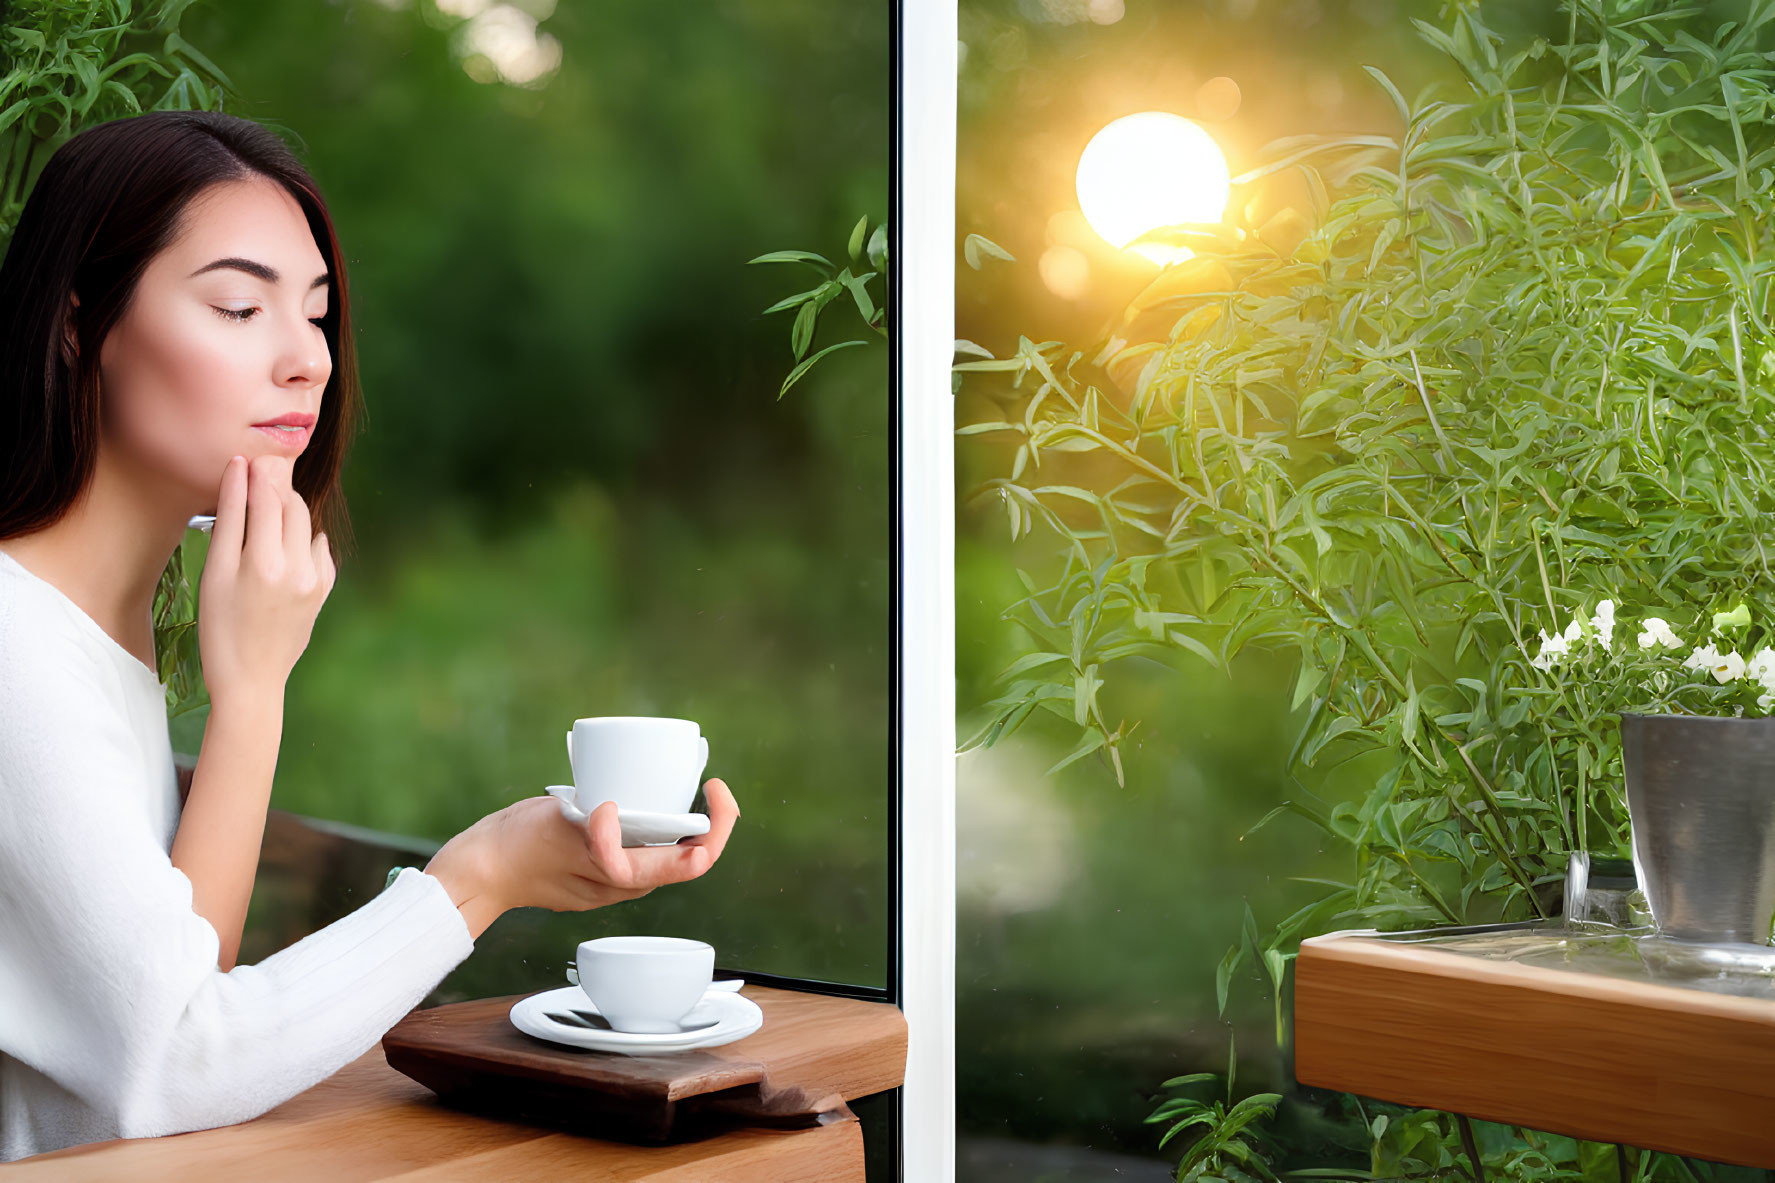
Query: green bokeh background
576	494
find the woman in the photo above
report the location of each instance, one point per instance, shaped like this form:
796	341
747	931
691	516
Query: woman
174	285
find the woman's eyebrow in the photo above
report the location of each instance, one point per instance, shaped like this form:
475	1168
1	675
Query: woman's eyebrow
261	270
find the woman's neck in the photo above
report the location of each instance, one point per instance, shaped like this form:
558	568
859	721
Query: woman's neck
106	554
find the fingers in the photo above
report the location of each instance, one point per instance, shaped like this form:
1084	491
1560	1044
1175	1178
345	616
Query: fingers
643	868
231	508
724	811
655	866
605	832
689	857
298	531
265	515
321	554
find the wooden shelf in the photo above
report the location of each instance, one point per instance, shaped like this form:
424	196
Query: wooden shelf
1559	1038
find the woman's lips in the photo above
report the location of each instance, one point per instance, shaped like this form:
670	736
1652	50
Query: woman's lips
285	437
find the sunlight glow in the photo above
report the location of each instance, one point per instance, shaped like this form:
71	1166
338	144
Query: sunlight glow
1065	271
1148	170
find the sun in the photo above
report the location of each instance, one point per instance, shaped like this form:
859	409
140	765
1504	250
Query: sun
1147	170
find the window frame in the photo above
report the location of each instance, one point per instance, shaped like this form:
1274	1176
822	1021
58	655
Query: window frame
921	294
921	809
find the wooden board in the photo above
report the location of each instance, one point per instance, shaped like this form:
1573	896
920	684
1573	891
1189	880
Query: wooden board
368	1123
1611	1060
814	1052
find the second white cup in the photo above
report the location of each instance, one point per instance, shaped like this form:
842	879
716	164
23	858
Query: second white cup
645	984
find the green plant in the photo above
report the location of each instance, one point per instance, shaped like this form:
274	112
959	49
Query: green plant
1227	1143
70	64
1481	375
810	303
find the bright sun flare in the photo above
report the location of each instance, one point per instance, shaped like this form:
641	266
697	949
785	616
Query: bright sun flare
1148	170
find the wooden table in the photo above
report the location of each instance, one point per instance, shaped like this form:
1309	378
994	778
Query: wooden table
1620	1057
371	1122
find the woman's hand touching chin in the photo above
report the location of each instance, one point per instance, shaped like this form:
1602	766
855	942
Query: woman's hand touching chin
265	578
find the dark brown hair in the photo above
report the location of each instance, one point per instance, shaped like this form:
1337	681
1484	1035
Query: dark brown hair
106	202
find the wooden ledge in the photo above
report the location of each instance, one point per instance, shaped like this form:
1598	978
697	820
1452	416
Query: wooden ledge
1606	1059
368	1122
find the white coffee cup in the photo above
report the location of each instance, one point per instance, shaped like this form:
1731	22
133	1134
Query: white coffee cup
645	984
642	762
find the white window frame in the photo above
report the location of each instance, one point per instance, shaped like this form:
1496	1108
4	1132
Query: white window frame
924	350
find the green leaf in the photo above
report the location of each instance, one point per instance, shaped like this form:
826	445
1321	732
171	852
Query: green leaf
859	290
1192	1078
791	301
975	245
1085	686
177	46
818	262
1223	974
1399	103
1093	739
803	333
796	374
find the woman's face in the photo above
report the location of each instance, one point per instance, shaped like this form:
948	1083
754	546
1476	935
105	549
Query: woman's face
221	333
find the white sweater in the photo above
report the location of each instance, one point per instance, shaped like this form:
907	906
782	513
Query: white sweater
115	1021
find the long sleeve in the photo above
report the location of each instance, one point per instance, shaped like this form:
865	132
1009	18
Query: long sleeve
109	988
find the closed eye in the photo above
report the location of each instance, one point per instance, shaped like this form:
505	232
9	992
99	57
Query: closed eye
242	315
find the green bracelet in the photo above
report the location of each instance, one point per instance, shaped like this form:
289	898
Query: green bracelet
392	875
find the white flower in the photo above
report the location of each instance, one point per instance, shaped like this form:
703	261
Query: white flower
1552	649
1657	632
1604	622
1704	657
1728	668
1761	668
1573	631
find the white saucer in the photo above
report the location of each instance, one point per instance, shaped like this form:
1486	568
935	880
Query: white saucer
639	827
737	1015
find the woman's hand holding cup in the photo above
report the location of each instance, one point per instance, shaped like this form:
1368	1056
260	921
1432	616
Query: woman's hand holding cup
528	855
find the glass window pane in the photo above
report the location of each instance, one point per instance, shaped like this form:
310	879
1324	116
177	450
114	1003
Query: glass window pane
579	493
1259	388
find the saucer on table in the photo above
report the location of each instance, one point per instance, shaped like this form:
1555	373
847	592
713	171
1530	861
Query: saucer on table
735	1017
639	827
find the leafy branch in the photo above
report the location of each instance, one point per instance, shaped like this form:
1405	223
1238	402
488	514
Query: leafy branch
810	303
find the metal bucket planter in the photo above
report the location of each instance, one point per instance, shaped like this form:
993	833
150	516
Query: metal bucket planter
1701	803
